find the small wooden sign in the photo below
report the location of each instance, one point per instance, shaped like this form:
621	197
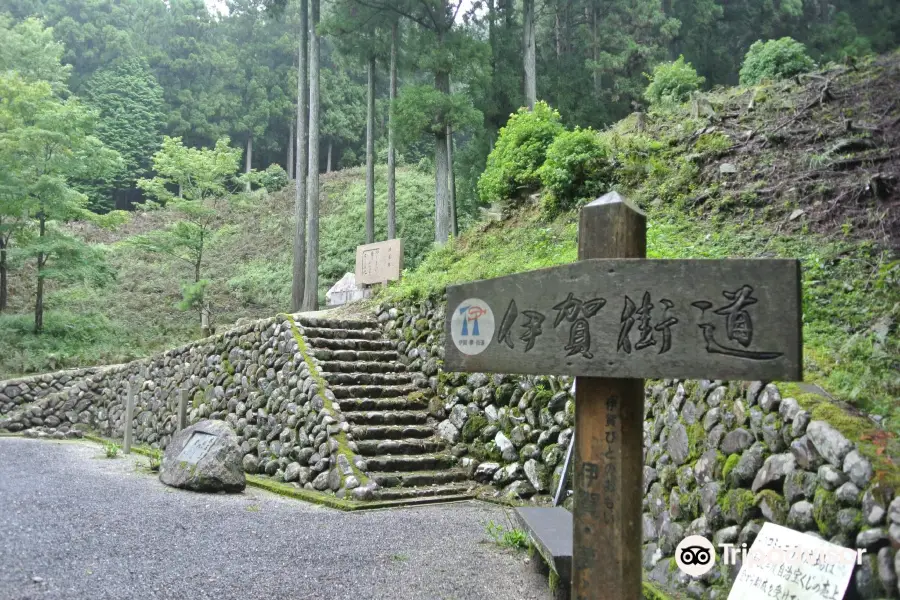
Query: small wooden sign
379	262
633	318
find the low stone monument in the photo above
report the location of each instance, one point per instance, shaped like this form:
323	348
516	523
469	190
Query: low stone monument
204	458
346	290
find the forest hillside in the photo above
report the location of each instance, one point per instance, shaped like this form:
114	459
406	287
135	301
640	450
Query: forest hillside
806	167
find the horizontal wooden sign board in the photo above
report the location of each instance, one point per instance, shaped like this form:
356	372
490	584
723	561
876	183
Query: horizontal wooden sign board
632	318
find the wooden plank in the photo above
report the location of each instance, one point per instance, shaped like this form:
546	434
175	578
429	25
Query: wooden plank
129	416
379	262
182	409
711	319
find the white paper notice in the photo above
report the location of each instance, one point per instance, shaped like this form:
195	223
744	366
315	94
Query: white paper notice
784	564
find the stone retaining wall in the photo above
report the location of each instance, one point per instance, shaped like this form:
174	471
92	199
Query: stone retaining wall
720	459
255	377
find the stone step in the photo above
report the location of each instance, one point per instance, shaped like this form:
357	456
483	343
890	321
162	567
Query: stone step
382	356
342	334
367	378
338	366
403	446
419	478
391	432
415	462
328	344
419	492
398	403
387	417
372	391
326	323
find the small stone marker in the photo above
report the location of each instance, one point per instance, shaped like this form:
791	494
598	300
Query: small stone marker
783	563
612	319
204	458
379	262
346	290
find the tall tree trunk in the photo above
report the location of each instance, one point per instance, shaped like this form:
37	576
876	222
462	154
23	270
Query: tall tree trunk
451	184
328	160
249	159
180	194
298	275
39	301
441	171
311	293
530	68
595	45
290	154
556	32
370	152
392	158
4	289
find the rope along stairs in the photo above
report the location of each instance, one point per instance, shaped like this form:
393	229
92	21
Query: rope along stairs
388	416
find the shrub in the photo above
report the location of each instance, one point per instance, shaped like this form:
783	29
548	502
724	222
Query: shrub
274	178
111	449
577	168
775	59
519	153
672	82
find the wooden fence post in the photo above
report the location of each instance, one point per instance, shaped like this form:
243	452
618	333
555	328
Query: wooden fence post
182	409
129	415
609	415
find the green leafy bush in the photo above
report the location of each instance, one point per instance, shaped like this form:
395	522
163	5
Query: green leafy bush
775	59
274	178
577	168
111	449
672	82
519	153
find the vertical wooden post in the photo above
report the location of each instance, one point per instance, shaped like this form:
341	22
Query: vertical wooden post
609	416
182	409
129	415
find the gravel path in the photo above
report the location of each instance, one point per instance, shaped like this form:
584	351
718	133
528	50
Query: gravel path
74	524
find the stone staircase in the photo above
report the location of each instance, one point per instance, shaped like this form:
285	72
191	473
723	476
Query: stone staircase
389	421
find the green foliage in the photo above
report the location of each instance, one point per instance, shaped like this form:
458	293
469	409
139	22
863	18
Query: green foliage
111	449
129	102
672	83
28	48
193	295
519	153
343	107
422	110
273	179
508	538
155	457
341	232
577	168
775	59
200	173
69	339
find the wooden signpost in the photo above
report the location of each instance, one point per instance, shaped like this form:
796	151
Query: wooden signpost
612	319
